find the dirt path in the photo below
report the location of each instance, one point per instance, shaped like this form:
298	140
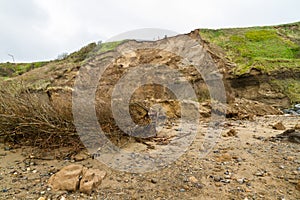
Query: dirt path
243	165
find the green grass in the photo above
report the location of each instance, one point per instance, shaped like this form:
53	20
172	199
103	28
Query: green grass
264	48
14	69
108	46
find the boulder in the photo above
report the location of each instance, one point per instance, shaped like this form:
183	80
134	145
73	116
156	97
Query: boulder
77	177
91	179
67	178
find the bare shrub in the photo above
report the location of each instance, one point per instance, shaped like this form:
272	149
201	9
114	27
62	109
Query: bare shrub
29	117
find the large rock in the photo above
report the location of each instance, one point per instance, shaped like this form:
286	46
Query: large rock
67	178
76	177
91	179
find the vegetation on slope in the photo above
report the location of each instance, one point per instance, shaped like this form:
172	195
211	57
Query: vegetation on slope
264	48
8	69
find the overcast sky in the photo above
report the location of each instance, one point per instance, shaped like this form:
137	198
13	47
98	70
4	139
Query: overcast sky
33	30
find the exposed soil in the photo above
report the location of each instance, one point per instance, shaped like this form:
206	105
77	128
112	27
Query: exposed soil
242	165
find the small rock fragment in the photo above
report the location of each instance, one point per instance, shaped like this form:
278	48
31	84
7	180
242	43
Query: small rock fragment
80	157
240	180
91	179
230	133
224	157
154	180
193	179
298	185
278	126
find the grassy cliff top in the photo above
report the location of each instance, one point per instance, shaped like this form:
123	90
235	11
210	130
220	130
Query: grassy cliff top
265	48
268	48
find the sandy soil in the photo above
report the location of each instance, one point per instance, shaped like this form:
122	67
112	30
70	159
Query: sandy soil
242	166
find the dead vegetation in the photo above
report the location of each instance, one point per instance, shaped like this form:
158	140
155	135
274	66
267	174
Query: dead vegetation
29	118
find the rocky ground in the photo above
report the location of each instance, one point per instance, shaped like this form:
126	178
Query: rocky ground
246	163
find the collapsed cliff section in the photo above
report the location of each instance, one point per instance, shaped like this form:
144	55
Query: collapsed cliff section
43	96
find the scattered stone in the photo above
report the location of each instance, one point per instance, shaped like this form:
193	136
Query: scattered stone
91	179
80	157
240	180
42	198
259	137
217	179
298	185
42	192
182	190
279	126
193	180
281	167
154	180
224	157
230	133
290	158
260	173
4	190
225	181
290	135
7	148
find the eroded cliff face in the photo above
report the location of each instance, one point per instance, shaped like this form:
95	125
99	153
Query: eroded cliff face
145	70
140	77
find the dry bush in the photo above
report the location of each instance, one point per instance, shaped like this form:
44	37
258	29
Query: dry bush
29	117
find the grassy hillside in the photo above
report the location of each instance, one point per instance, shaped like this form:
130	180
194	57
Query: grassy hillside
8	69
265	48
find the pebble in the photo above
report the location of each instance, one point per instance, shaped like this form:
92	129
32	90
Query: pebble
298	169
7	148
281	167
217	178
42	198
154	180
240	180
42	192
4	190
193	179
34	171
182	190
225	181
